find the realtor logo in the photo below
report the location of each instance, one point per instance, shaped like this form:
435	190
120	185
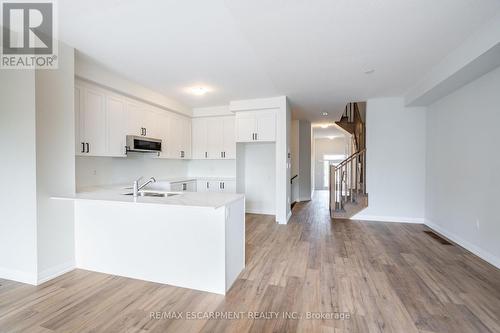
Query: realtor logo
28	36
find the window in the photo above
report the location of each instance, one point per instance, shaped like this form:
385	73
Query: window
327	160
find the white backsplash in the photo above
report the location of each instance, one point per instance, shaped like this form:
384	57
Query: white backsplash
99	171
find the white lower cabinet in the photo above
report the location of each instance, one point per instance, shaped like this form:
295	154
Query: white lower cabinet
188	186
207	185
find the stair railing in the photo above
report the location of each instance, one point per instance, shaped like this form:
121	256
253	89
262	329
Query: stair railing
347	180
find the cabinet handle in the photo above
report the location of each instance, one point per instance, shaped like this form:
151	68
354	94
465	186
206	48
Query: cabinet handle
222	185
184	186
88	147
221	154
255	136
145	131
83	147
206	154
208	185
224	154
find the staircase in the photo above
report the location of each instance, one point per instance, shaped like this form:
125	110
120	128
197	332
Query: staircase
347	180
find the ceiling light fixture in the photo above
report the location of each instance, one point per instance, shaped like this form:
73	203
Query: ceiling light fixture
199	91
370	71
324	113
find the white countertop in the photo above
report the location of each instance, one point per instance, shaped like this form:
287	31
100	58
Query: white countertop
191	199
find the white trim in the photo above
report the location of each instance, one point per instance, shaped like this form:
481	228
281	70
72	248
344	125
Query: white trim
262	212
485	255
19	276
55	271
396	219
288	217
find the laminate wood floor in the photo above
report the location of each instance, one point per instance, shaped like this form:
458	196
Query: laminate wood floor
350	276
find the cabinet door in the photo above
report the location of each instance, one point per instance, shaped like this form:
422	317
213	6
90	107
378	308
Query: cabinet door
94	122
229	143
116	120
202	186
134	123
173	135
185	144
191	186
79	128
150	119
199	138
265	125
176	187
161	132
214	186
245	126
215	137
228	186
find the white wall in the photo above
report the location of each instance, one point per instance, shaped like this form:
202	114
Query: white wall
282	145
395	171
18	259
463	166
37	162
294	145
212	168
55	164
336	146
256	176
88	69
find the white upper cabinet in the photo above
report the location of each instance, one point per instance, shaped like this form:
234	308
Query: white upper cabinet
254	126
92	127
213	138
245	126
103	119
199	138
116	126
134	119
229	143
179	137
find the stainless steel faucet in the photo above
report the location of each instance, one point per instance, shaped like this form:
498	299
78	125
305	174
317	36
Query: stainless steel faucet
138	187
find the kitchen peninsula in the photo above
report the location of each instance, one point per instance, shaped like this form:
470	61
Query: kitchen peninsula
187	239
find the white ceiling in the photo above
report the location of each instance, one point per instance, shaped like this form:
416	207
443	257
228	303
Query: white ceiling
314	52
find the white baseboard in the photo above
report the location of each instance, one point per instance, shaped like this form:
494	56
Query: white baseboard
485	255
19	276
259	211
55	271
396	219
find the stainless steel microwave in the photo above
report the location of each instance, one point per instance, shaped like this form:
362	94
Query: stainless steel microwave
143	144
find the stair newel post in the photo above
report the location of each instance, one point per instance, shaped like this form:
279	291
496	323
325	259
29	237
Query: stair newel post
351	175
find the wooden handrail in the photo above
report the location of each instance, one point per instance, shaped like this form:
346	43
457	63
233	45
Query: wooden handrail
350	158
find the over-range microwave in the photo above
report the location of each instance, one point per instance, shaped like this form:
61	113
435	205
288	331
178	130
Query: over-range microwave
143	144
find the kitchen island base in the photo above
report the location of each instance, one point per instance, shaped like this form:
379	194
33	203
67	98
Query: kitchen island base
199	248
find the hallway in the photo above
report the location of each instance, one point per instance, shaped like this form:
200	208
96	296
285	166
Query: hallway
359	276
